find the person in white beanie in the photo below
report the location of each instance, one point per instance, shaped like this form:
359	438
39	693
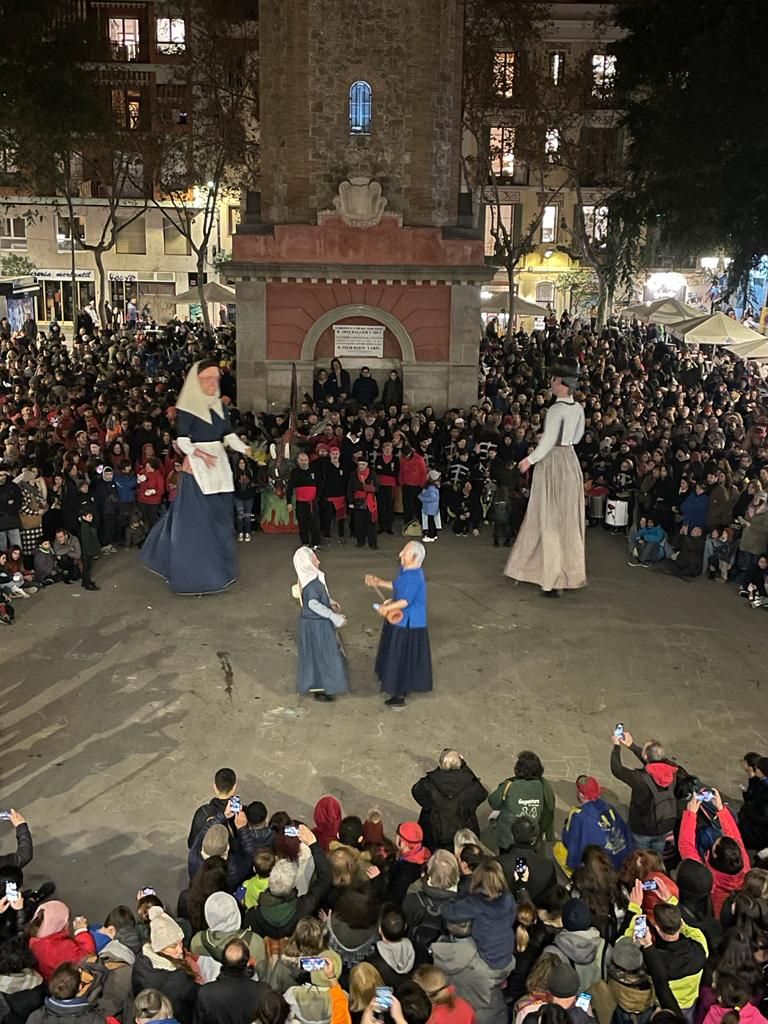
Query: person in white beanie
163	964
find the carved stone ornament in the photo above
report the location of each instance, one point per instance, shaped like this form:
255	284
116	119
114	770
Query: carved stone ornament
360	202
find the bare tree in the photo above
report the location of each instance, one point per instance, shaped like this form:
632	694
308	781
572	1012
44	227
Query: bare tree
219	155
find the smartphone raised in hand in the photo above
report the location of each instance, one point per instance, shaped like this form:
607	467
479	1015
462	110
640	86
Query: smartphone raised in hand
312	963
641	926
11	892
383	999
618	732
236	804
291	830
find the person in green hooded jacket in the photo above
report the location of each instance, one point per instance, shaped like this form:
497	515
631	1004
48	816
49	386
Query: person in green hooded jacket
526	795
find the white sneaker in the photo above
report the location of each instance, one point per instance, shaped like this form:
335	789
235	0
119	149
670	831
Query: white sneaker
475	533
241	536
247	538
429	540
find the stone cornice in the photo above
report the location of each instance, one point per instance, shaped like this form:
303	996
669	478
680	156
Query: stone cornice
358	274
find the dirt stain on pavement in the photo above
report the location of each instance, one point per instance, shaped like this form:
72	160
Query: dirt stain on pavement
226	668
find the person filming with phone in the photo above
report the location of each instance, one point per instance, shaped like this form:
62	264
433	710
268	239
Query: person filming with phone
24	850
653	803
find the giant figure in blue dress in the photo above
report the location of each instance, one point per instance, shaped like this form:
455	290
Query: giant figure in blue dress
193	545
404	660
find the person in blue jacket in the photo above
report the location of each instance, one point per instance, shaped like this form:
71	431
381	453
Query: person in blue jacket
646	543
695	507
592	823
430	507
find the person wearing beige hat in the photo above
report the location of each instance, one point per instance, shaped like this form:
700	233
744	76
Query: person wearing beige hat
163	964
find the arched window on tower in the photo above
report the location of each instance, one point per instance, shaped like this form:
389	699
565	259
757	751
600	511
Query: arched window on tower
360	109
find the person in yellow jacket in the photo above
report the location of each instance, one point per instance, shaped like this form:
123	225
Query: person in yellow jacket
673	951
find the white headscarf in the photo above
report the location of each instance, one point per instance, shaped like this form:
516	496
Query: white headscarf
306	570
193	399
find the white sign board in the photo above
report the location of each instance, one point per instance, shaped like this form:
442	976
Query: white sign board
366	340
63	275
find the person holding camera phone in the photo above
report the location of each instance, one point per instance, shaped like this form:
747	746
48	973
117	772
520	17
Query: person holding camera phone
24	850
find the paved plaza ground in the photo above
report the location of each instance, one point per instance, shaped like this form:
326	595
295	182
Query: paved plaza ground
118	706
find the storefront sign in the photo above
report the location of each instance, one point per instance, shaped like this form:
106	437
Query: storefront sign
63	275
365	340
118	275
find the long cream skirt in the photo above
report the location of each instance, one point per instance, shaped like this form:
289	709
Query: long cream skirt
549	549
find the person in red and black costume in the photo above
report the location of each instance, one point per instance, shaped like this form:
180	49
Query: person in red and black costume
302	494
387	468
333	494
361	495
413	477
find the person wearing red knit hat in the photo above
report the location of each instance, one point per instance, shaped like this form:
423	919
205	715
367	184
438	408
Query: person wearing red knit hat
593	822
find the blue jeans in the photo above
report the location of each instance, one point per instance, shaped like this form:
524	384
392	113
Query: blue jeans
655	843
243	514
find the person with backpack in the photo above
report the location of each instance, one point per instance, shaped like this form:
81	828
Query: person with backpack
106	976
727	860
653	803
449	796
526	795
423	908
581	945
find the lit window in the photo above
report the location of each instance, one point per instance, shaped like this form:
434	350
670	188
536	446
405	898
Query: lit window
504	73
557	67
596	223
233	219
69	233
171	35
13	233
124	38
502	152
545	293
552	145
126	108
549	224
603	74
495	217
360	109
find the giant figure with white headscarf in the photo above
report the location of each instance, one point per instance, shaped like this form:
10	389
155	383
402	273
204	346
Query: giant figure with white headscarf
549	549
193	545
322	663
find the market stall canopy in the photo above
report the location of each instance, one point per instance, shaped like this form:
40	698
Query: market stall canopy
750	349
500	300
670	311
213	292
715	329
639	310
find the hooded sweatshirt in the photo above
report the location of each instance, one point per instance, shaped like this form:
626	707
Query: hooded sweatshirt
394	961
586	951
492	925
472	978
222	914
631	991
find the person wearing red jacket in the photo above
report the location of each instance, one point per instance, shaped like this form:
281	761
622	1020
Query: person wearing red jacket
728	859
151	490
52	941
412	477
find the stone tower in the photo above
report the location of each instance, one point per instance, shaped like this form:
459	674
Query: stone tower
357	223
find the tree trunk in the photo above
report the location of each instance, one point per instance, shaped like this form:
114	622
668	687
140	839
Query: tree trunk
73	270
98	256
201	286
508	334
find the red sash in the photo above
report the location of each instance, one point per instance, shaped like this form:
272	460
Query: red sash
308	493
340	506
387	481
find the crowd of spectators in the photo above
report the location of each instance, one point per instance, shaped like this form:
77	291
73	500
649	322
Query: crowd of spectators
662	916
676	439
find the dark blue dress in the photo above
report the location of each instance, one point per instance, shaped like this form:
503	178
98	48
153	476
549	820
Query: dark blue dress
322	665
404	659
193	545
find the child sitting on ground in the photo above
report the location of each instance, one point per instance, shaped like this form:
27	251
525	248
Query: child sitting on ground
719	554
137	531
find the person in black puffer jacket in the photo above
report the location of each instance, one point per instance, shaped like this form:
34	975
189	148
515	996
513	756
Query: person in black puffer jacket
449	796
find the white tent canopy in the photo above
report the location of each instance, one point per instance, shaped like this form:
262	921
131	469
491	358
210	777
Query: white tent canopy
500	300
212	291
670	311
750	349
714	329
